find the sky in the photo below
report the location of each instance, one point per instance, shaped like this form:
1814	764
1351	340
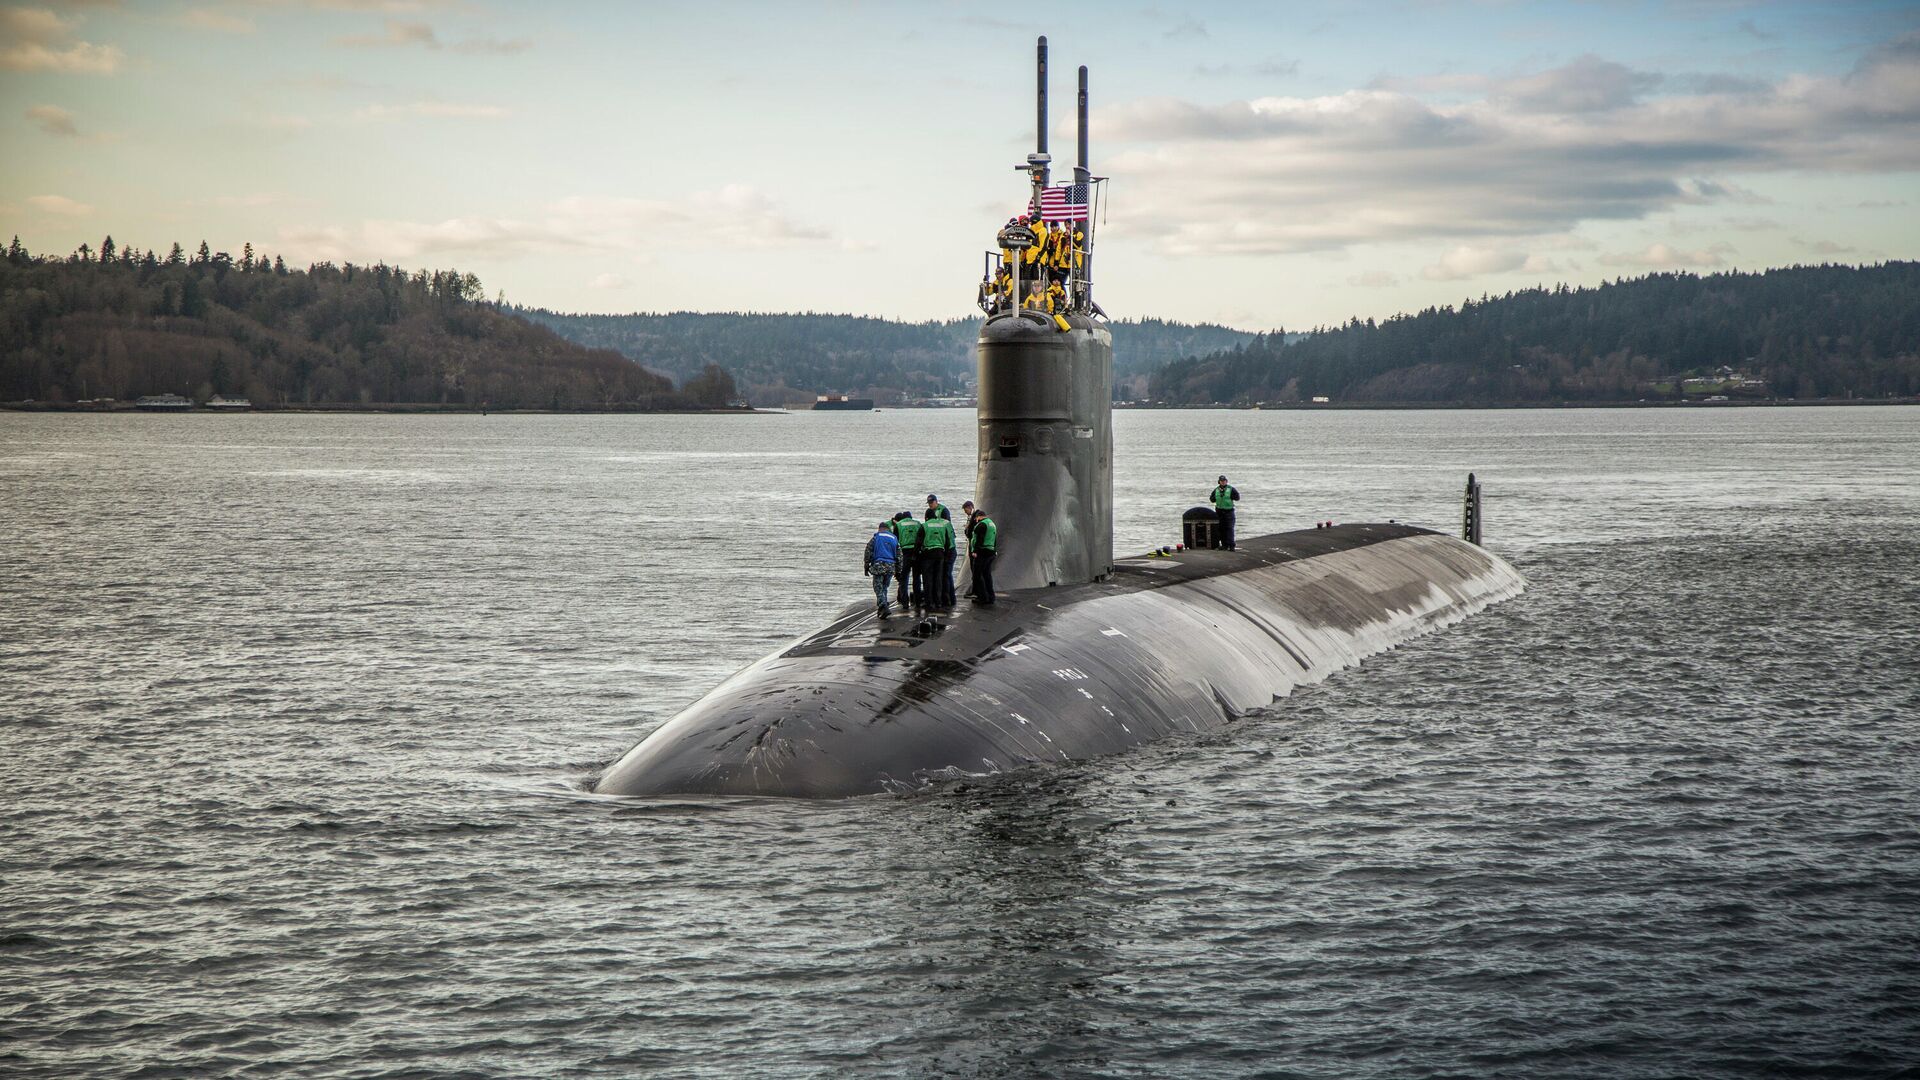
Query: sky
1273	165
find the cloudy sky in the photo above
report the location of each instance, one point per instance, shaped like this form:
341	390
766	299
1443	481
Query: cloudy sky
1274	164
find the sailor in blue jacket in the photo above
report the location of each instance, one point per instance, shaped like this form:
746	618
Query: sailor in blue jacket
882	562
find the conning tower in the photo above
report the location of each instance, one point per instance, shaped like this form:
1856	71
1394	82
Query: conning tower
1046	393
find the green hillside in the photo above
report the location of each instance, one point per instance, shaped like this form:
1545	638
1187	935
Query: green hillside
1799	332
120	323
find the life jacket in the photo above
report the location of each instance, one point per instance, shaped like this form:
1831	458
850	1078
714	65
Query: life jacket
936	534
1222	498
985	534
1042	237
908	530
1060	249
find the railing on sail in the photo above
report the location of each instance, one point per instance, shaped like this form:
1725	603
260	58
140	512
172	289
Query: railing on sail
1078	283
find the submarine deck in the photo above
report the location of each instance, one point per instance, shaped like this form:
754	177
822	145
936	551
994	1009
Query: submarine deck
971	631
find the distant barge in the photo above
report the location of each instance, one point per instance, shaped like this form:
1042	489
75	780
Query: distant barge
176	403
842	403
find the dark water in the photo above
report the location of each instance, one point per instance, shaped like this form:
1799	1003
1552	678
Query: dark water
297	712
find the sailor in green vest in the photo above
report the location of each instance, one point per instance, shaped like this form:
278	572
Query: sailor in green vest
1225	499
943	572
907	531
982	545
936	555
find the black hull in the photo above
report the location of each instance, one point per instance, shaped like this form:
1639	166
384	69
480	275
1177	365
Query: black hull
1164	646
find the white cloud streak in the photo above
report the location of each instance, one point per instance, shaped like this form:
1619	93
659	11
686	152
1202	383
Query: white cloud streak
1668	257
52	119
41	40
402	34
59	206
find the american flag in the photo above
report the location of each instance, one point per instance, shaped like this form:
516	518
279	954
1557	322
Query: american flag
1064	202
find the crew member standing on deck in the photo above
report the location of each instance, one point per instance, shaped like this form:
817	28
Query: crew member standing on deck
980	550
936	556
936	508
907	531
967	517
882	562
1225	499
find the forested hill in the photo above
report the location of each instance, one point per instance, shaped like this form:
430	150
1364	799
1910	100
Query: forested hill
1800	332
120	323
777	358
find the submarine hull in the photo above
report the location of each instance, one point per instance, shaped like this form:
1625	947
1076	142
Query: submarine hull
1162	646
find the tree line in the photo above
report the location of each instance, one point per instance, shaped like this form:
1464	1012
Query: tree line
788	358
1800	332
119	322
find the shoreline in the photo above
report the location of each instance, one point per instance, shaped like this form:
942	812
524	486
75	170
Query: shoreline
396	408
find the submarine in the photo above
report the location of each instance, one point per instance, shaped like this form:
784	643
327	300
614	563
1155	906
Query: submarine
1083	655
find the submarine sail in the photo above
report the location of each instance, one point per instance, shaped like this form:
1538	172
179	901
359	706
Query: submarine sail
1045	427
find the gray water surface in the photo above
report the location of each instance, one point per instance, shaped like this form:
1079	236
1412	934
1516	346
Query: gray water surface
299	711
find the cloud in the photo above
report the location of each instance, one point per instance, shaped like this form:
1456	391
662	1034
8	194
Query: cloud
1718	83
401	34
397	34
435	109
1374	279
1707	191
38	39
1187	29
1825	247
223	22
1529	156
1466	262
59	206
493	46
52	119
1588	84
609	281
1666	257
736	216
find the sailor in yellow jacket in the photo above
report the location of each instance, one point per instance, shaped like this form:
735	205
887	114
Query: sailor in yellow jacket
1041	298
997	295
1035	255
1063	250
